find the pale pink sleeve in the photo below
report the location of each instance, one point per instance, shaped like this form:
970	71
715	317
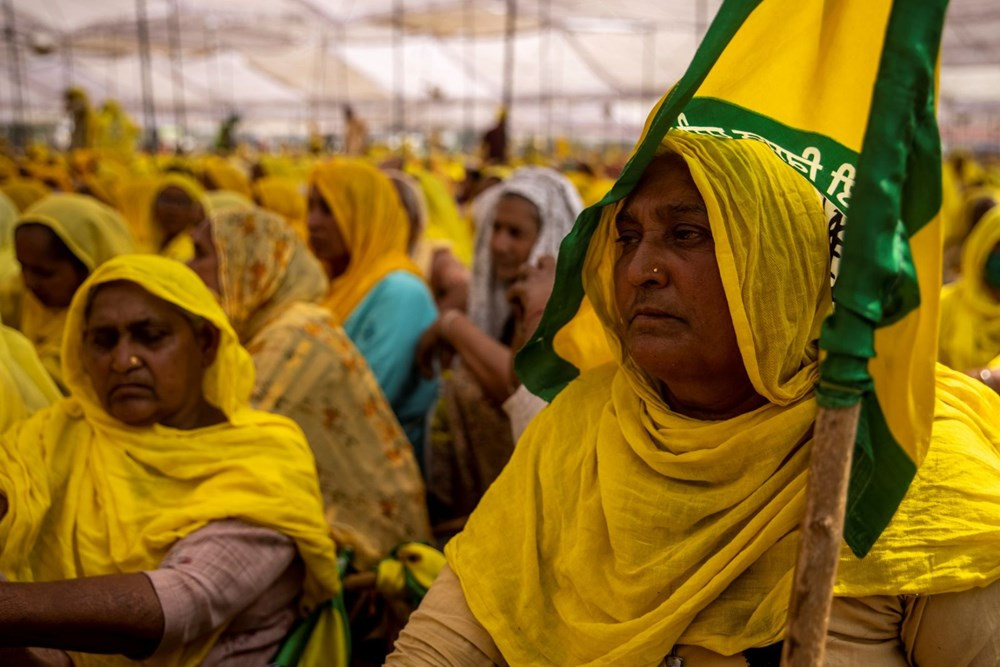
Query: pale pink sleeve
213	574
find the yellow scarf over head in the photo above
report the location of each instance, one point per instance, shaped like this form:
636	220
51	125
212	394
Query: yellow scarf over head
25	386
370	217
91	496
94	233
224	175
263	268
636	528
283	196
970	317
24	192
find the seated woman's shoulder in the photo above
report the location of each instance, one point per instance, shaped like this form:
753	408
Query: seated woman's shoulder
404	284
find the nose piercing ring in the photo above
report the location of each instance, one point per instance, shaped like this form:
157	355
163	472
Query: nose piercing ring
133	362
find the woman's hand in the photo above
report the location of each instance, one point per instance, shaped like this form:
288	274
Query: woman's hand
528	296
433	345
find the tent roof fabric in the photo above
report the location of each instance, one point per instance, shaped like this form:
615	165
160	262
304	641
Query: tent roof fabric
288	62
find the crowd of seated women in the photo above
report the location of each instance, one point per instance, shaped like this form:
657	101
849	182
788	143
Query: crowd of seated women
229	393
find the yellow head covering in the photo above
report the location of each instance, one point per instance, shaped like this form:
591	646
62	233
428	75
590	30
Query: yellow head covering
660	529
970	317
263	268
94	233
24	192
226	176
283	196
370	217
444	221
91	496
25	386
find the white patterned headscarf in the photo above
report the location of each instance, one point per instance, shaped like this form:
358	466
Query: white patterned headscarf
558	204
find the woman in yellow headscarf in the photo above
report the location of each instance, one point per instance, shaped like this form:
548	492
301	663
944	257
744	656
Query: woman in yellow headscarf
11	287
170	521
308	370
653	508
24	192
970	307
25	385
285	197
358	230
161	210
221	174
59	241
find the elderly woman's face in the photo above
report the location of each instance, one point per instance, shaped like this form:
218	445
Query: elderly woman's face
515	231
48	268
677	324
176	211
325	239
206	259
145	359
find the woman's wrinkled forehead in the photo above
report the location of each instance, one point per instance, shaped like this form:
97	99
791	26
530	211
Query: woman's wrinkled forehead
666	183
131	301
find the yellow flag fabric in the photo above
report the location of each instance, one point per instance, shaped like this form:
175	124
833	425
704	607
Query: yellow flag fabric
94	233
827	86
636	528
91	496
368	212
970	315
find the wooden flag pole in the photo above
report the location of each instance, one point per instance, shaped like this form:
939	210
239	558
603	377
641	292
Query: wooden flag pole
821	536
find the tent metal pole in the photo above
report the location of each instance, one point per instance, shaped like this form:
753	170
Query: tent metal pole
17	128
399	110
177	69
508	56
547	69
67	57
148	111
468	25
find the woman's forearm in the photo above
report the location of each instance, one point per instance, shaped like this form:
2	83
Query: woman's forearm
118	613
486	358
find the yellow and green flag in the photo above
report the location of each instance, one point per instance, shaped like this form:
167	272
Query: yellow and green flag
844	92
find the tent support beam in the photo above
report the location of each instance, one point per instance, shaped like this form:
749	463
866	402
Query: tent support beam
17	128
508	55
177	69
148	110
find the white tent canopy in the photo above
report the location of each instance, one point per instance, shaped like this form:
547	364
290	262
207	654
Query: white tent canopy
581	68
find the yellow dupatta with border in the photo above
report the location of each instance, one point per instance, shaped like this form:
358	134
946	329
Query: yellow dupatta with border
370	216
636	528
90	495
970	317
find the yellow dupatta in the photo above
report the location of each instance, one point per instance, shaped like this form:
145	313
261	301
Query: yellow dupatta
137	201
444	220
94	233
308	370
226	176
370	217
24	192
636	528
25	386
90	495
970	318
284	197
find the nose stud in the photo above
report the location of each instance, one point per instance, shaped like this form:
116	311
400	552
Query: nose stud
656	269
134	362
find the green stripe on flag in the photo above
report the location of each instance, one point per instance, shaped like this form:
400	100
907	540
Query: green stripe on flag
897	192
